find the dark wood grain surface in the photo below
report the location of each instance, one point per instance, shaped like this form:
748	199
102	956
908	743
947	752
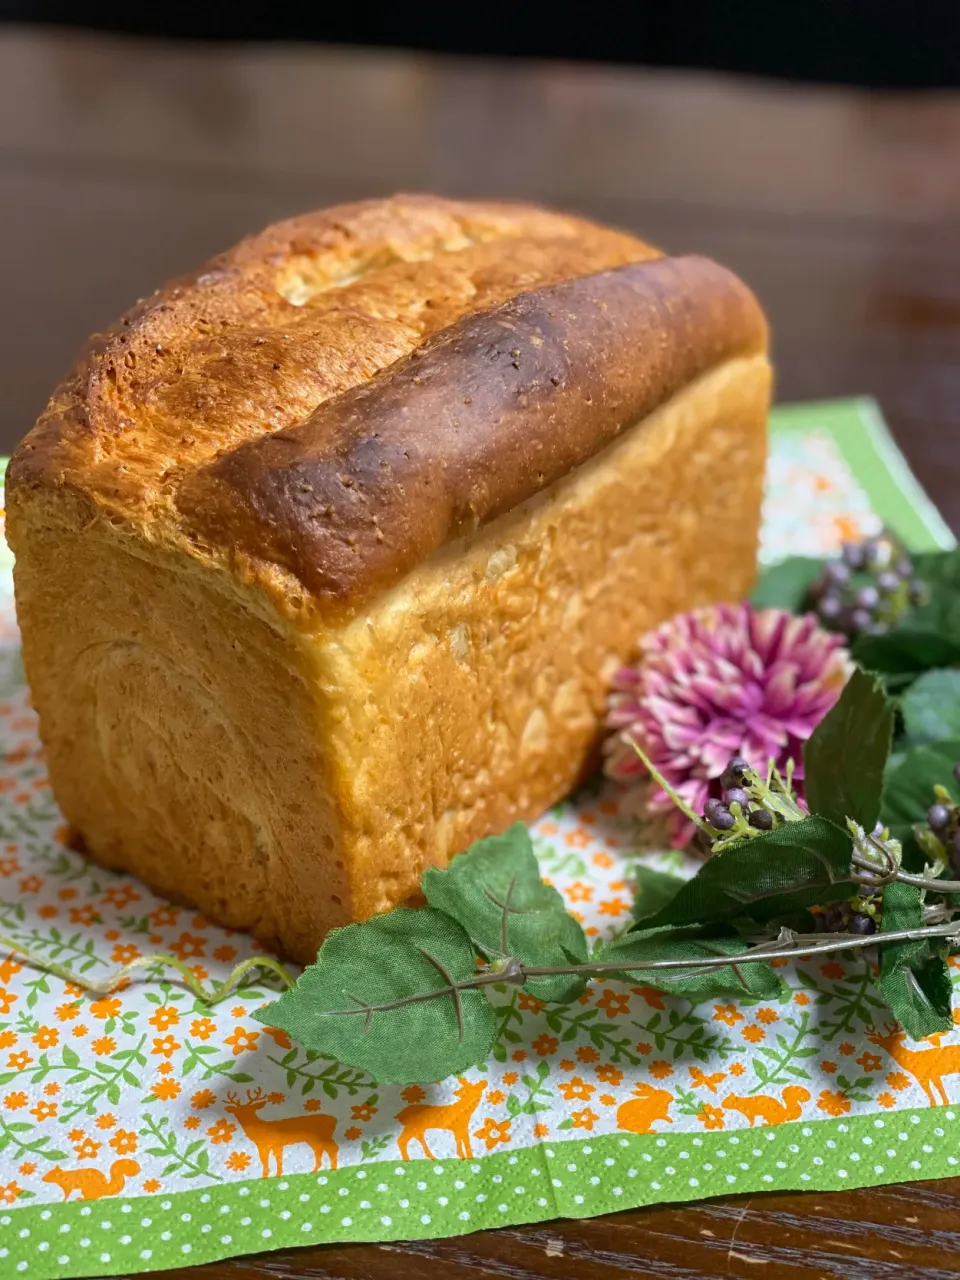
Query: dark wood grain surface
124	163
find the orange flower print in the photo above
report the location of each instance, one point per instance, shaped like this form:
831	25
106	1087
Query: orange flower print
44	1110
103	1045
187	945
607	1099
567	1064
493	1132
362	1111
220	1132
587	1053
651	996
191	1122
613	907
352	1134
225	954
85	915
578	839
602	860
832	970
614	1003
643	1047
9	1193
518	1055
239	1011
847	1048
124	1142
164	1068
886	1099
106	1121
576	1088
7	1038
7	1000
279	1037
19	1061
242	1041
48	911
237	1161
710	1117
767	1016
202	1099
828	1067
121	896
104	1008
660	1070
151	1186
544	1045
541	1131
166	1090
165	1017
14	1101
801	998
833	1103
165	1046
495	1097
869	1061
607	1074
27	1168
412	1094
584	1119
66	1012
530	1003
9	967
79	1030
87	1149
510	1077
163	917
753	1034
202	1028
897	1080
51	1089
75	1135
728	1013
31	884
737	1069
579	892
276	1098
314	1104
46	1037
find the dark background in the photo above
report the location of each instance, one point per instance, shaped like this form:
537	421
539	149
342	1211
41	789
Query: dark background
880	43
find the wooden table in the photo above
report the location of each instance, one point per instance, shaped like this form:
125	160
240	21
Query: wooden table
124	163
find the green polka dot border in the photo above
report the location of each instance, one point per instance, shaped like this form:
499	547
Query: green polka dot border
386	1200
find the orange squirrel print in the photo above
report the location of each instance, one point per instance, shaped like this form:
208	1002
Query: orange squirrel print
644	1108
92	1184
455	1117
271	1136
927	1066
768	1109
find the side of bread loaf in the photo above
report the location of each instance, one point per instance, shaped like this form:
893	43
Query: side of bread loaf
324	554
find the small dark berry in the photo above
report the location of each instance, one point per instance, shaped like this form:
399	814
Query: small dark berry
853	554
737	764
718	815
878	551
860	620
917	592
732	775
830	608
737	795
862	924
837	574
956	771
819	923
762	820
888	582
877	830
868	597
833	919
938	815
904	568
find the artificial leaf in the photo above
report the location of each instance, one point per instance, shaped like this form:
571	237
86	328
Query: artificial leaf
333	1009
752	979
495	892
844	758
905	653
938	569
798	865
914	978
908	791
654	890
787	584
931	708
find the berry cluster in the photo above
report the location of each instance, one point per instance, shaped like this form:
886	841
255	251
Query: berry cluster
858	916
737	801
943	825
868	588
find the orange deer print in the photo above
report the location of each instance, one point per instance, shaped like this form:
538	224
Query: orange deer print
647	1105
768	1109
271	1136
454	1117
92	1183
927	1066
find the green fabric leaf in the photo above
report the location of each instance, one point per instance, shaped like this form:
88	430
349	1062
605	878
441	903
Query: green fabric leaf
908	791
752	979
844	758
383	960
938	569
931	708
654	890
914	978
928	637
495	892
798	865
785	585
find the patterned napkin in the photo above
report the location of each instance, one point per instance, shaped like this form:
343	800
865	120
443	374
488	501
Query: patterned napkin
147	1130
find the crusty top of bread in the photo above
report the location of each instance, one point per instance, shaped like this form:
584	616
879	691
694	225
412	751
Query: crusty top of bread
333	399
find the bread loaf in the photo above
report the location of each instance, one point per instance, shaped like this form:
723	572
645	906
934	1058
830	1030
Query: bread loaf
325	553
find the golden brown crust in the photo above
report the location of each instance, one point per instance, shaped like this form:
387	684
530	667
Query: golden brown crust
483	416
